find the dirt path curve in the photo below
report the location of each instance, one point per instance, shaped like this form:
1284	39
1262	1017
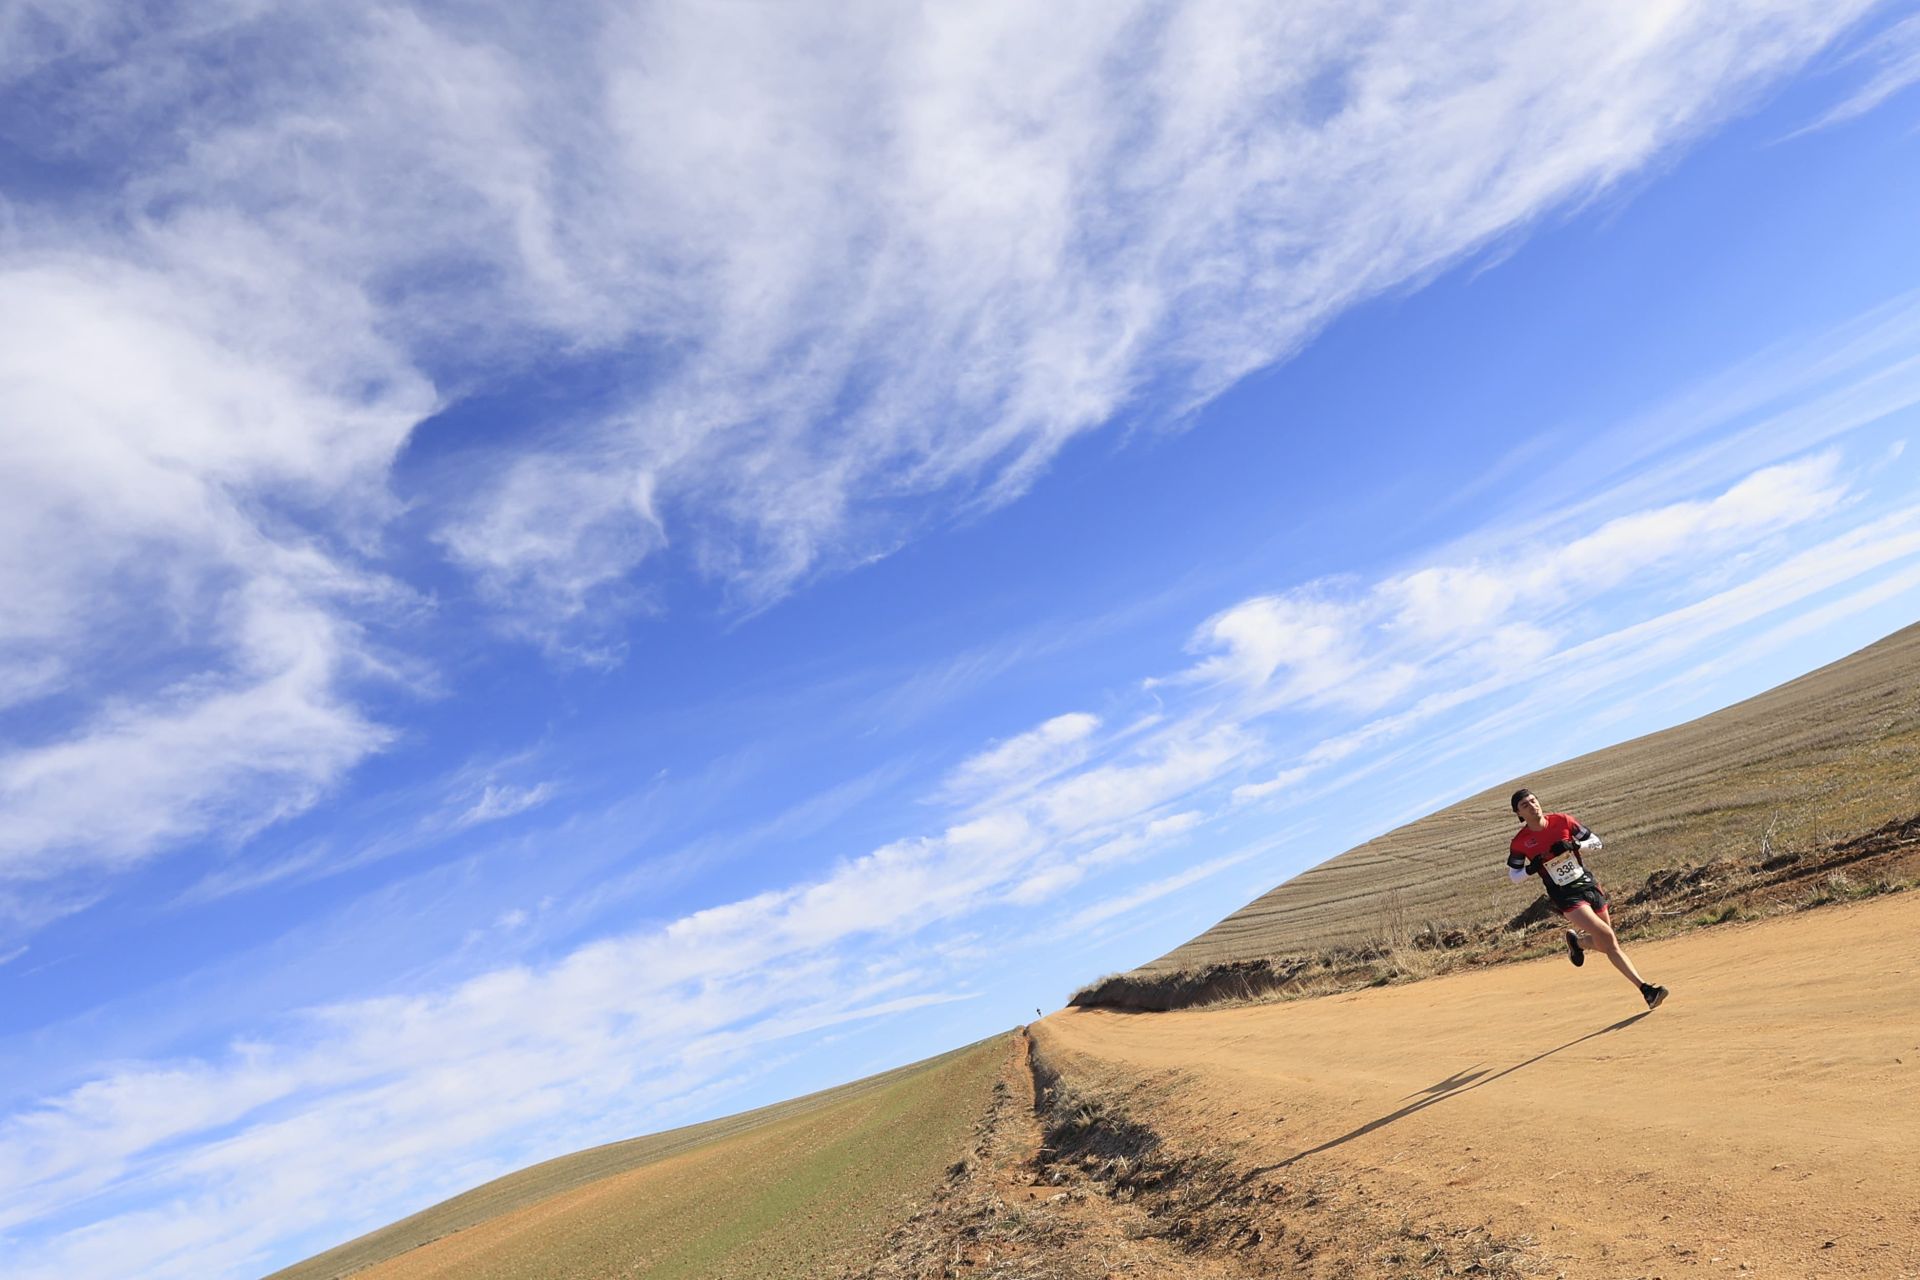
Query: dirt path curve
1765	1121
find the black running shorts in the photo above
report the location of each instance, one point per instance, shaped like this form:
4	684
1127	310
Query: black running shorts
1588	891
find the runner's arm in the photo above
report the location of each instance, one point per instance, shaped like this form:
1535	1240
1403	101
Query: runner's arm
1580	843
1518	868
1583	842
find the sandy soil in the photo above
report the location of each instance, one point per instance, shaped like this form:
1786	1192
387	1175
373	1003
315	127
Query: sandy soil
1765	1121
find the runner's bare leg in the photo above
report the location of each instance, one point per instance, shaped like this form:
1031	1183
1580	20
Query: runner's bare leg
1597	935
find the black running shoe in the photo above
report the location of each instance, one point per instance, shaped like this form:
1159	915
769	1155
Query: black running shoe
1574	953
1653	994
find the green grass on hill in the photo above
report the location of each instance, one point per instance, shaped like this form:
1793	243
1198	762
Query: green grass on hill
801	1188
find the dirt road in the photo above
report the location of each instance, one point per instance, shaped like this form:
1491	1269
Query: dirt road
1765	1121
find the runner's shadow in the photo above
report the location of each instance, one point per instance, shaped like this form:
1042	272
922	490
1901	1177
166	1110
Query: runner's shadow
1452	1087
1458	1080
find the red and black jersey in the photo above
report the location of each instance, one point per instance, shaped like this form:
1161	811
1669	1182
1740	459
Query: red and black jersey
1532	850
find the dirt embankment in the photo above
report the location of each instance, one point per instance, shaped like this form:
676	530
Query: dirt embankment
1671	900
1072	1178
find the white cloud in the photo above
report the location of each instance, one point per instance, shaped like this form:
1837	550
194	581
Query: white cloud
1805	622
1448	602
1120	904
1068	864
231	759
1073	208
1896	53
1772	498
1619	657
1529	609
1088	804
155	500
1255	639
1046	749
354	1101
1278	782
499	801
1174	824
554	538
1363	649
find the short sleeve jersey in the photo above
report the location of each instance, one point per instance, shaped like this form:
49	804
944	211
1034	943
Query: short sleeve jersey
1537	846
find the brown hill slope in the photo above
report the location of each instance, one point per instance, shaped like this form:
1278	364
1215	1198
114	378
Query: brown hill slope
1834	752
816	1180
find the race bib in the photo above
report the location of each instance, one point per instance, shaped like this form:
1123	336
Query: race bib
1565	869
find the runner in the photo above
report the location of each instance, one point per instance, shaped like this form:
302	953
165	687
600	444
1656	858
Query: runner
1553	847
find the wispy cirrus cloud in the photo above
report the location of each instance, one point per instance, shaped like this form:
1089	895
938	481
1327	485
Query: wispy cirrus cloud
1571	636
1322	645
1057	744
502	800
1100	912
384	1096
160	500
1138	216
1894	55
369	1104
879	272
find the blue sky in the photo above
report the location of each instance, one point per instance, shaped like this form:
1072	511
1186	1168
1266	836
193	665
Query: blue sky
569	577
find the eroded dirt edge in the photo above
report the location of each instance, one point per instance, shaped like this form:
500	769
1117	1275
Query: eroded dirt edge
1068	1179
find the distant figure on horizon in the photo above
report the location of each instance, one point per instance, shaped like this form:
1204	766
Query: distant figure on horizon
1552	846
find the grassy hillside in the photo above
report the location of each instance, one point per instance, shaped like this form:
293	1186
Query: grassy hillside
799	1188
1833	753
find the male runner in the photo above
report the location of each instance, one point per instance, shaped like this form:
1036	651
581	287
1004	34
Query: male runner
1552	846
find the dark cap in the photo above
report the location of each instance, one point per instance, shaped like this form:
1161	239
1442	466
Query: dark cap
1518	796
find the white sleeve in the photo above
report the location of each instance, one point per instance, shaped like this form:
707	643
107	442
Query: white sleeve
1516	875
